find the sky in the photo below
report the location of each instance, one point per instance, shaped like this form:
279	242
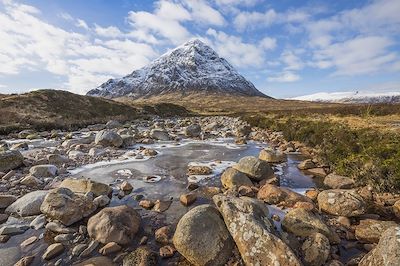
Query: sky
287	48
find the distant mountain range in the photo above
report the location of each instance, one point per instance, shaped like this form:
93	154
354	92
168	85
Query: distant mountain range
352	97
190	68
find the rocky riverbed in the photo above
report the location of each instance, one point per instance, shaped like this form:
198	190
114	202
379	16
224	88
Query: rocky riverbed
184	191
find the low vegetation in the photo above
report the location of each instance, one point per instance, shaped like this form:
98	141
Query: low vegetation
368	152
52	109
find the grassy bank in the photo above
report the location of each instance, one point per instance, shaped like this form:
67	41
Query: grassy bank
369	154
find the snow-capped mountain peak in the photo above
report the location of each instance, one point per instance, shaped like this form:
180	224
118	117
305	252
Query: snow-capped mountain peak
352	97
191	67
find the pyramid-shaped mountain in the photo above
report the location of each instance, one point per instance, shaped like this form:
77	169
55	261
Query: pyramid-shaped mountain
190	68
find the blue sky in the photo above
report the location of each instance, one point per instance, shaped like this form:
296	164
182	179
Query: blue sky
286	48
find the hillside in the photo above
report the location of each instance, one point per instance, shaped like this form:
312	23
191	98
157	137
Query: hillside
49	109
190	68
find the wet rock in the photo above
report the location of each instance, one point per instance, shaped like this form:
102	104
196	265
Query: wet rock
248	223
198	170
3	217
147	204
109	248
44	170
301	222
126	186
202	238
114	224
30	181
28	241
159	134
91	247
65	206
304	205
63	237
38	222
272	156
13	229
255	168
312	194
167	251
78	249
232	178
162	205
6	200
193	131
4	239
187	199
101	201
341	202
58	227
29	204
57	159
25	261
10	160
318	172
96	261
316	249
387	252
24	133
149	152
369	230
338	182
53	251
113	124
86	185
108	138
280	196
142	256
306	164
20	146
162	235
9	256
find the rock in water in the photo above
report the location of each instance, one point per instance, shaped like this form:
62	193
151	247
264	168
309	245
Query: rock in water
108	138
193	130
337	181
272	156
280	196
387	252
255	168
316	249
64	205
85	185
342	202
114	224
369	230
10	160
192	67
202	238
232	178
29	204
141	256
247	221
44	170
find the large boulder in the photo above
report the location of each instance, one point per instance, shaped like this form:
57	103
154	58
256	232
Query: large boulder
159	134
281	196
86	185
369	230
202	238
255	168
316	250
387	252
272	156
29	204
338	182
114	224
67	207
108	138
193	130
248	223
44	170
302	222
10	160
341	202
232	178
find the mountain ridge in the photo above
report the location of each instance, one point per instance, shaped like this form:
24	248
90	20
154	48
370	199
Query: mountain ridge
358	97
189	68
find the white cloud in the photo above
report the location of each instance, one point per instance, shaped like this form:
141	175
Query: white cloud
82	24
237	2
286	76
246	19
268	43
205	14
84	60
236	51
292	61
109	32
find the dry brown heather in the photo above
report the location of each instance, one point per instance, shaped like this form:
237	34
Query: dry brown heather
50	109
